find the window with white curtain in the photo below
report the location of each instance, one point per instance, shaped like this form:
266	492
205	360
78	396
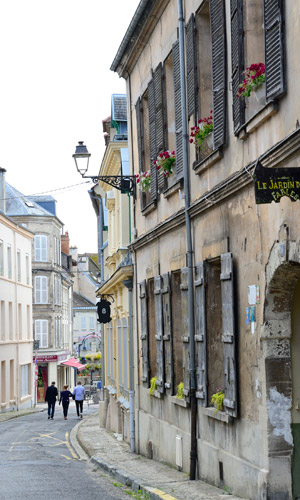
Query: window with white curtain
83	322
41	290
9	263
41	332
40	248
1	258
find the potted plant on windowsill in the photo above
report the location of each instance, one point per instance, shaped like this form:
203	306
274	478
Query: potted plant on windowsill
144	180
203	132
217	400
255	78
165	162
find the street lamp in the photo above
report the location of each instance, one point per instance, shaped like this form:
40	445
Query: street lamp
124	183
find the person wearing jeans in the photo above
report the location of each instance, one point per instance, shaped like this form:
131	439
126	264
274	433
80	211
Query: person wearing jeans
50	398
78	392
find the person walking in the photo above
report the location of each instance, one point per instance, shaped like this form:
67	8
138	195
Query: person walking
65	396
50	398
78	392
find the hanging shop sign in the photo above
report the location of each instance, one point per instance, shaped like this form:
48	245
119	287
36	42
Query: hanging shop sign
103	311
271	184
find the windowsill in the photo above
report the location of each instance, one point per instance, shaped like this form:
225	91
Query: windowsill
149	208
25	398
258	119
156	394
12	402
173	189
210	160
3	405
220	415
180	402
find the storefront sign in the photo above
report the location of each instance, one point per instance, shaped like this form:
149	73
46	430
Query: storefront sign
271	184
48	358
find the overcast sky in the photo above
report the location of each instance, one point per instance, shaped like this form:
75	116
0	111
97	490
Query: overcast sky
56	89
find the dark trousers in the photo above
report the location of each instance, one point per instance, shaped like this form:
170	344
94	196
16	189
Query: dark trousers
51	408
65	406
79	405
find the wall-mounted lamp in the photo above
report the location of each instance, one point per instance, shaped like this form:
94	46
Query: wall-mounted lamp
124	183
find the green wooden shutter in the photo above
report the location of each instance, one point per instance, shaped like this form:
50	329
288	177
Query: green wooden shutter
228	335
191	67
274	48
140	133
177	108
200	333
167	325
160	381
144	333
237	61
185	331
219	74
152	139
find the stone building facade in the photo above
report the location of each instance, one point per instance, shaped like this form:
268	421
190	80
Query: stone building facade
233	326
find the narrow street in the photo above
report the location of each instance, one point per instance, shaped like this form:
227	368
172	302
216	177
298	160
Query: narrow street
38	462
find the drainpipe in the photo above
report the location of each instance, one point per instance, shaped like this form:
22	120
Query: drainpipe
191	322
129	285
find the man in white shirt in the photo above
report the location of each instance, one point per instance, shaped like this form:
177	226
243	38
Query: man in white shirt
78	392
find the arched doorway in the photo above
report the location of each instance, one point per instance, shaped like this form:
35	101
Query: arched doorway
281	311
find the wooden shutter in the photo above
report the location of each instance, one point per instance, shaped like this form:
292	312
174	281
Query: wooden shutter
191	66
185	331
200	333
152	138
178	117
219	76
167	325
144	333
228	335
274	48
140	133
160	381
159	120
237	61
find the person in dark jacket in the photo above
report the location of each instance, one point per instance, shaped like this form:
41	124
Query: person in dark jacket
50	398
65	396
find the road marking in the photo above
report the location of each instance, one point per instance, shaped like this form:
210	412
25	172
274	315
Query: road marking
74	455
65	456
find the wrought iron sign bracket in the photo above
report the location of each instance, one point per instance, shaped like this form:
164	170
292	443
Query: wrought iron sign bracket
124	183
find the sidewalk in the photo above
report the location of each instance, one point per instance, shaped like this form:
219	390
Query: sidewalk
8	415
140	473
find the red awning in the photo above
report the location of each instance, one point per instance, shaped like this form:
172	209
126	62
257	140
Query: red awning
74	363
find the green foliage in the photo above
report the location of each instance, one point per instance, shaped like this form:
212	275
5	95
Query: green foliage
179	394
153	386
218	400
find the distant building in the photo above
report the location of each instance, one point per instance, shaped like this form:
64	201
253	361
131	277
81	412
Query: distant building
16	339
51	287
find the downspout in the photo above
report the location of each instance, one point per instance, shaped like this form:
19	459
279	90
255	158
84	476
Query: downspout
191	322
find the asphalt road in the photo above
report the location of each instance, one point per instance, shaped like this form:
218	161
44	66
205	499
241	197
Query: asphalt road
38	462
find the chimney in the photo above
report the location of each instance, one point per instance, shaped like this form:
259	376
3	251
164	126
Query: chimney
2	190
65	243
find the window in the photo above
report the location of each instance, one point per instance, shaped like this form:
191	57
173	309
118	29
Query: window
41	290
92	323
2	319
177	329
109	351
215	332
25	370
18	265
27	264
58	339
57	251
28	322
9	263
20	322
3	382
57	290
41	332
40	248
83	322
10	321
120	357
260	39
1	259
12	380
125	353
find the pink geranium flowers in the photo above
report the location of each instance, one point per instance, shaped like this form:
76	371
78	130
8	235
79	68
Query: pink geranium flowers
255	75
144	179
201	131
165	162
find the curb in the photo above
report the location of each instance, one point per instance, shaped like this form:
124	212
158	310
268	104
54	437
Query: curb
10	415
121	475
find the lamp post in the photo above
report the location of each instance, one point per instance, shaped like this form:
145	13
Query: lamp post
124	183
